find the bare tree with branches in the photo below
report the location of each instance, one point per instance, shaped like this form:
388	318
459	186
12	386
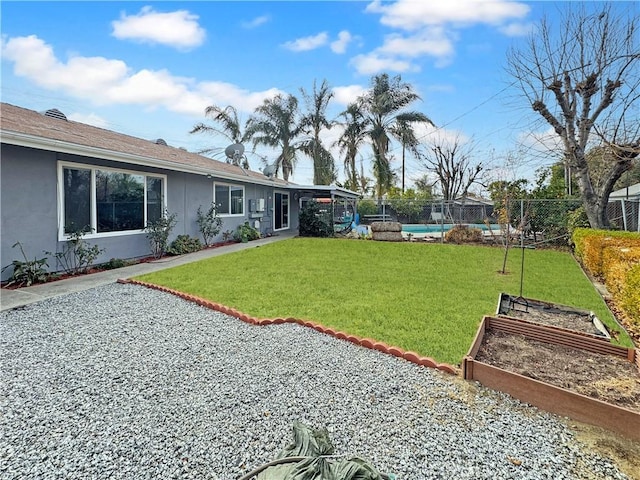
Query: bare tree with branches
582	78
451	161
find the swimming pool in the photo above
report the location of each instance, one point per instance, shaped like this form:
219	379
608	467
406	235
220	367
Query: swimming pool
434	228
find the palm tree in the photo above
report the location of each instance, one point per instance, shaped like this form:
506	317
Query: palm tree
364	182
275	124
407	136
383	107
353	136
312	123
230	127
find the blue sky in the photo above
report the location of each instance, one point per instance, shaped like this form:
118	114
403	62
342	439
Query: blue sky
149	69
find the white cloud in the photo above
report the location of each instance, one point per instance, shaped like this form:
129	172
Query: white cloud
179	29
104	81
431	42
428	134
430	28
229	94
517	29
340	45
347	94
307	43
89	119
256	22
373	63
412	15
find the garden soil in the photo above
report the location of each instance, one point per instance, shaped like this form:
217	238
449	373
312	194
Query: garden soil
610	379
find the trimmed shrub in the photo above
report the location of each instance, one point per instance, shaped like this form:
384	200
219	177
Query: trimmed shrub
594	246
245	233
630	296
114	263
184	244
618	262
463	234
314	223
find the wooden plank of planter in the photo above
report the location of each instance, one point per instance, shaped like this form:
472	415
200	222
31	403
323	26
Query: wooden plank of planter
545	333
564	308
544	395
602	338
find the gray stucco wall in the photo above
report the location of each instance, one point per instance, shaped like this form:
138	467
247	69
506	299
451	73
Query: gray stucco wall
29	209
28	203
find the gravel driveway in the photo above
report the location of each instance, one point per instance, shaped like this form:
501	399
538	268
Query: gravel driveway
125	382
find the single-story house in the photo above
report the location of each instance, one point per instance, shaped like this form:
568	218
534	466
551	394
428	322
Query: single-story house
58	176
632	192
624	207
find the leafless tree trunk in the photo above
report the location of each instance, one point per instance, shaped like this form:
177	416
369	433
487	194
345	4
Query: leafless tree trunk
450	160
582	78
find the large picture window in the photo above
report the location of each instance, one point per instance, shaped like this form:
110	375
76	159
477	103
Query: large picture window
229	198
108	201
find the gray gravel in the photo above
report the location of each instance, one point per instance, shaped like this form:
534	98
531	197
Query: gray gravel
126	382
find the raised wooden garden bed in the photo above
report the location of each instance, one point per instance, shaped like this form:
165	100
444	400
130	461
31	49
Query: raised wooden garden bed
552	314
612	373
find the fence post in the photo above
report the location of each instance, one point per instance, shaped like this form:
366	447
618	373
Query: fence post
522	224
442	222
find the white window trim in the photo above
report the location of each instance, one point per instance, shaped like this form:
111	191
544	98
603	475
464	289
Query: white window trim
288	195
235	185
94	214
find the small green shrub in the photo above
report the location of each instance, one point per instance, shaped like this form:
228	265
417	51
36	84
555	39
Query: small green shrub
463	234
367	207
227	235
209	223
77	256
184	244
577	219
314	223
114	263
158	233
27	272
245	233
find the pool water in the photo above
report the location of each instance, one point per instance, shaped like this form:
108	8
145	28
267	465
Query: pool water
422	228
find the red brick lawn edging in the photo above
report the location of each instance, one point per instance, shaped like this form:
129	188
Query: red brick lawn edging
364	342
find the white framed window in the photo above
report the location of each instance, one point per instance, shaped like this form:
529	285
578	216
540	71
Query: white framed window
106	201
229	199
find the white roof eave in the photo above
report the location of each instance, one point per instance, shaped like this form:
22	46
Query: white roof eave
32	141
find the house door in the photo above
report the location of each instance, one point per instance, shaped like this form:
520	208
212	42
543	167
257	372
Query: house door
281	211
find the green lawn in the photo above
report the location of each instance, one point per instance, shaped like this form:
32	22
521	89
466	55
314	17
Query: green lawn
420	297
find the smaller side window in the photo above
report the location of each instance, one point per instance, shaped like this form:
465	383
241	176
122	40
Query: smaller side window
221	197
229	198
237	200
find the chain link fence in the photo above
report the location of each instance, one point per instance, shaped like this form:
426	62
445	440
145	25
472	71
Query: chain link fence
530	221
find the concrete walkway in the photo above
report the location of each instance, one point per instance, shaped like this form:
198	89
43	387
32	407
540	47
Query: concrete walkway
23	296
